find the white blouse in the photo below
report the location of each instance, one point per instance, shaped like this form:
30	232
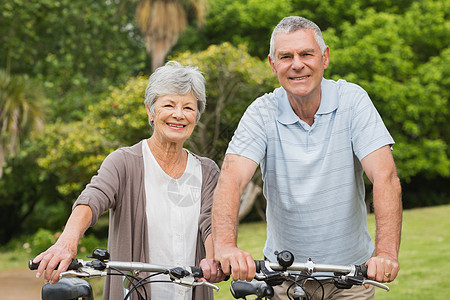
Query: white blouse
173	209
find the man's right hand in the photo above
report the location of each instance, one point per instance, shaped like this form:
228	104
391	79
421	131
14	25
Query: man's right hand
236	262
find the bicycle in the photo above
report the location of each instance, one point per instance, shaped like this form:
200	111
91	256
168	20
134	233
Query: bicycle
73	285
269	274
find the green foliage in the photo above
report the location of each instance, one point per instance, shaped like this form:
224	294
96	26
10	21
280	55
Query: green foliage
41	241
72	152
238	22
89	243
70	46
121	117
333	14
27	196
391	56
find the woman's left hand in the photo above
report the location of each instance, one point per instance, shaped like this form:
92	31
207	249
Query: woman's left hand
212	272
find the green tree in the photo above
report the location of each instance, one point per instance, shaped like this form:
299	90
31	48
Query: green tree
397	59
21	112
247	22
28	198
76	48
334	13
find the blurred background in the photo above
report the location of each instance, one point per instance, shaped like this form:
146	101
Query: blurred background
73	75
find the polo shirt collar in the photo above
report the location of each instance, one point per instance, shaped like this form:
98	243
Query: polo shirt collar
328	103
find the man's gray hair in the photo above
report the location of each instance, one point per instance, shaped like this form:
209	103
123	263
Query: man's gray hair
292	24
175	79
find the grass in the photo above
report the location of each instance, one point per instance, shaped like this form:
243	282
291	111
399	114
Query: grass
424	256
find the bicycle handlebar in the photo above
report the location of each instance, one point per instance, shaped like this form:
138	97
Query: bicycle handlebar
310	267
186	276
269	274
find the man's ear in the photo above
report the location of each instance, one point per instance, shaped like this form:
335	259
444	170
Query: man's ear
272	65
326	58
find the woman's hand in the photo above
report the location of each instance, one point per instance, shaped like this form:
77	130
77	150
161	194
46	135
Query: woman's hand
56	259
65	248
212	272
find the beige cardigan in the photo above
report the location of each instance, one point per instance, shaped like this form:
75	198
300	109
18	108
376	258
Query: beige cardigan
119	187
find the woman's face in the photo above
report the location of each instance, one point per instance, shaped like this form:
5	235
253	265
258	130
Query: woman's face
174	118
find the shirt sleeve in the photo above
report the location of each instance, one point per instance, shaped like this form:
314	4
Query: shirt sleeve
367	128
250	138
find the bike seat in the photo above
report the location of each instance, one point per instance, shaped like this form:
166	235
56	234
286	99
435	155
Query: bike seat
67	289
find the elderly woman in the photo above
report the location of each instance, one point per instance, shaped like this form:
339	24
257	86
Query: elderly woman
158	193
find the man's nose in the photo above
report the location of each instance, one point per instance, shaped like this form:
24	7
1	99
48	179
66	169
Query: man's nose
297	63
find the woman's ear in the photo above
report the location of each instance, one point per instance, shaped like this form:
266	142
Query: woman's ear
149	113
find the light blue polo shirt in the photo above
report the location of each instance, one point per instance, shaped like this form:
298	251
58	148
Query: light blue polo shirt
312	175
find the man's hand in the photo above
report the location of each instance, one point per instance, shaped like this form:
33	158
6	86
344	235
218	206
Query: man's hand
236	262
382	268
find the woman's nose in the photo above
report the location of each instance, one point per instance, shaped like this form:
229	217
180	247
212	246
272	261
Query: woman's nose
178	113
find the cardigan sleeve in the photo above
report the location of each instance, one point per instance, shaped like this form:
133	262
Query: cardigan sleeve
101	193
210	176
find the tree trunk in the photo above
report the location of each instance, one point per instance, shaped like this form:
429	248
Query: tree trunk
158	54
248	198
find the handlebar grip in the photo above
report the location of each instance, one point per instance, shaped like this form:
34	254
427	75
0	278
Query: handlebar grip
258	264
363	270
32	266
240	289
74	265
196	272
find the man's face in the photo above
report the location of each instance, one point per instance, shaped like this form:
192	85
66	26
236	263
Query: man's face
299	63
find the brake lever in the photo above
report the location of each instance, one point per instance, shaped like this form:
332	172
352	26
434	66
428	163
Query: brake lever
82	273
207	284
271	277
189	281
376	283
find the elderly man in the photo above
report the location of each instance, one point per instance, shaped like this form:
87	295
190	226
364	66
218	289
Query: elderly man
313	138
